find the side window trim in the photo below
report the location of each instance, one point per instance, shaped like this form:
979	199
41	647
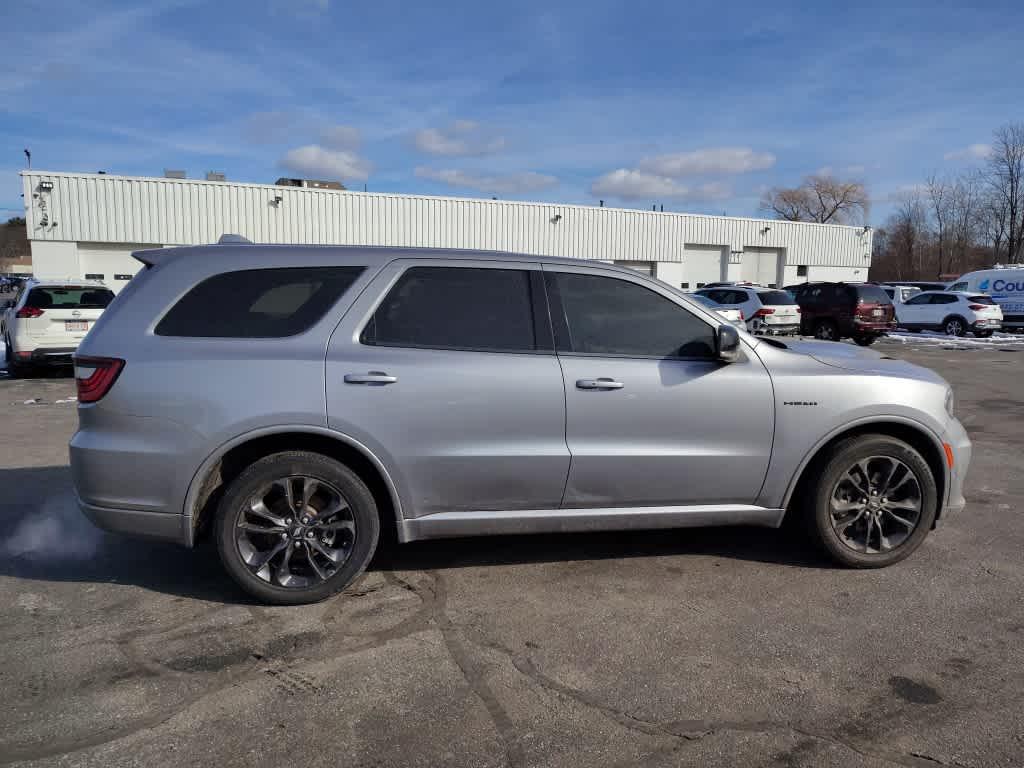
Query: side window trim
539	306
560	324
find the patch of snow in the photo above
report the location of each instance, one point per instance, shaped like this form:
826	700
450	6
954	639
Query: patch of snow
934	338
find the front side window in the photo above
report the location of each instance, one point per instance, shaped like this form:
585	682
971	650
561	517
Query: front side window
608	316
258	303
465	308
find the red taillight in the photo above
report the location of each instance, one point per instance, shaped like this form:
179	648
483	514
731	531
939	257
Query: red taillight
798	310
29	312
764	311
975	307
95	376
741	315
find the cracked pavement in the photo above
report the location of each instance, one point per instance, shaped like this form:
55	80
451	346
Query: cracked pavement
696	647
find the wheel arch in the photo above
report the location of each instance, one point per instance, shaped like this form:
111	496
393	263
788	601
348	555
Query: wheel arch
232	457
956	316
918	436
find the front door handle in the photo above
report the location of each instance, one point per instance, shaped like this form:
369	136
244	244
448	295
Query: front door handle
602	383
373	377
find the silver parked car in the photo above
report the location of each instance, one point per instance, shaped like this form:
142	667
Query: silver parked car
295	402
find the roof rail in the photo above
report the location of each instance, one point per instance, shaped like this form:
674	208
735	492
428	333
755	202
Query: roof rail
228	238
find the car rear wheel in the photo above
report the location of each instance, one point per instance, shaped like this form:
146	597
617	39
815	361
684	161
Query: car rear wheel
954	326
14	369
874	502
296	527
826	331
865	340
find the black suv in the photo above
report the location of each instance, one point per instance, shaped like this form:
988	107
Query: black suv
832	311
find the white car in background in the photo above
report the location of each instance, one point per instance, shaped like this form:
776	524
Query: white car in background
952	312
1006	287
48	319
767	311
732	315
900	293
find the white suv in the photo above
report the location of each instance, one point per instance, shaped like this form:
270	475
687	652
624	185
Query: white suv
48	319
767	311
953	312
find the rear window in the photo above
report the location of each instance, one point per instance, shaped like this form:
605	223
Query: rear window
776	297
258	303
69	297
871	293
981	299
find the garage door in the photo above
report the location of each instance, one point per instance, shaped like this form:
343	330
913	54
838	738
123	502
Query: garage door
761	265
702	264
111	263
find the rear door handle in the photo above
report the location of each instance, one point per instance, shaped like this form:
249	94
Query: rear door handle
373	377
602	383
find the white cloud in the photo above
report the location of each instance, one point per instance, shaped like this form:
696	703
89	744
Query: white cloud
970	152
313	161
721	160
462	138
341	137
630	184
846	170
508	184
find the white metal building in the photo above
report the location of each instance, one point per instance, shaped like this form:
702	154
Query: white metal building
87	225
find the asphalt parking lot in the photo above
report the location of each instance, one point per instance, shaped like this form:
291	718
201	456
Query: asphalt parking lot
697	647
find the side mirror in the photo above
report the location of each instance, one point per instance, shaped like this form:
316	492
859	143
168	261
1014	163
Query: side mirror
728	341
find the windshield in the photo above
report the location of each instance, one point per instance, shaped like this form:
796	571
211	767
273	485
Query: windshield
69	297
776	297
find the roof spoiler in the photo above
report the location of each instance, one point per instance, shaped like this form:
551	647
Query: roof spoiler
154	256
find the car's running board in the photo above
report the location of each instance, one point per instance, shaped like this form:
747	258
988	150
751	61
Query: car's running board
448	524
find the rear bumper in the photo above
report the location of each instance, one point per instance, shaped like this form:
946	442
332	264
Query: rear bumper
163	526
872	326
779	329
988	324
50	356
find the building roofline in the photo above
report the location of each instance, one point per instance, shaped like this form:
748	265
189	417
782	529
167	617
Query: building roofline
488	201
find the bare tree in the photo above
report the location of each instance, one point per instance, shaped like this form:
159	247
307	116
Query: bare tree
963	209
821	198
1006	179
939	193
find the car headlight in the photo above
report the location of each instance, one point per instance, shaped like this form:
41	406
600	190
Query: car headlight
950	401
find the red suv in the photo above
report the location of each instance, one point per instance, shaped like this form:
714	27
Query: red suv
832	311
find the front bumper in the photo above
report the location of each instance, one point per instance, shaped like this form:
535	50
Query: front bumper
960	446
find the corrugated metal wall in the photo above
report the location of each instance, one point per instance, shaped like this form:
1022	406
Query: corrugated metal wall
120	209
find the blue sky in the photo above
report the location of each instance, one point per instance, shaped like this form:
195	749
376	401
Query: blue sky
696	106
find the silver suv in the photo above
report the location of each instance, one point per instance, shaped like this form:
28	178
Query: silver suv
295	402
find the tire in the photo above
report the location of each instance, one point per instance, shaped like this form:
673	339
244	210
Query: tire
865	340
983	334
954	326
826	330
299	558
15	369
842	475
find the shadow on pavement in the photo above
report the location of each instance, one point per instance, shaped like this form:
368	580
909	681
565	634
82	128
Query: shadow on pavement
45	537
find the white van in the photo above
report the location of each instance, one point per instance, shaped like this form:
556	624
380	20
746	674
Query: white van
1004	284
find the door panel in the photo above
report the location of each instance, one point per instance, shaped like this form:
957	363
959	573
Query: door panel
646	426
459	430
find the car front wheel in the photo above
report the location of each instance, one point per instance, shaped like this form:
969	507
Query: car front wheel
874	502
826	331
296	527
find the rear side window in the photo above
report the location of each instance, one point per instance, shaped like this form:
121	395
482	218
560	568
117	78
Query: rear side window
69	297
258	303
467	308
775	297
609	316
939	298
981	300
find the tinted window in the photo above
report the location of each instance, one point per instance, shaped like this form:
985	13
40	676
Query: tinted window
871	293
456	308
775	297
921	298
69	297
607	316
981	299
258	303
939	298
